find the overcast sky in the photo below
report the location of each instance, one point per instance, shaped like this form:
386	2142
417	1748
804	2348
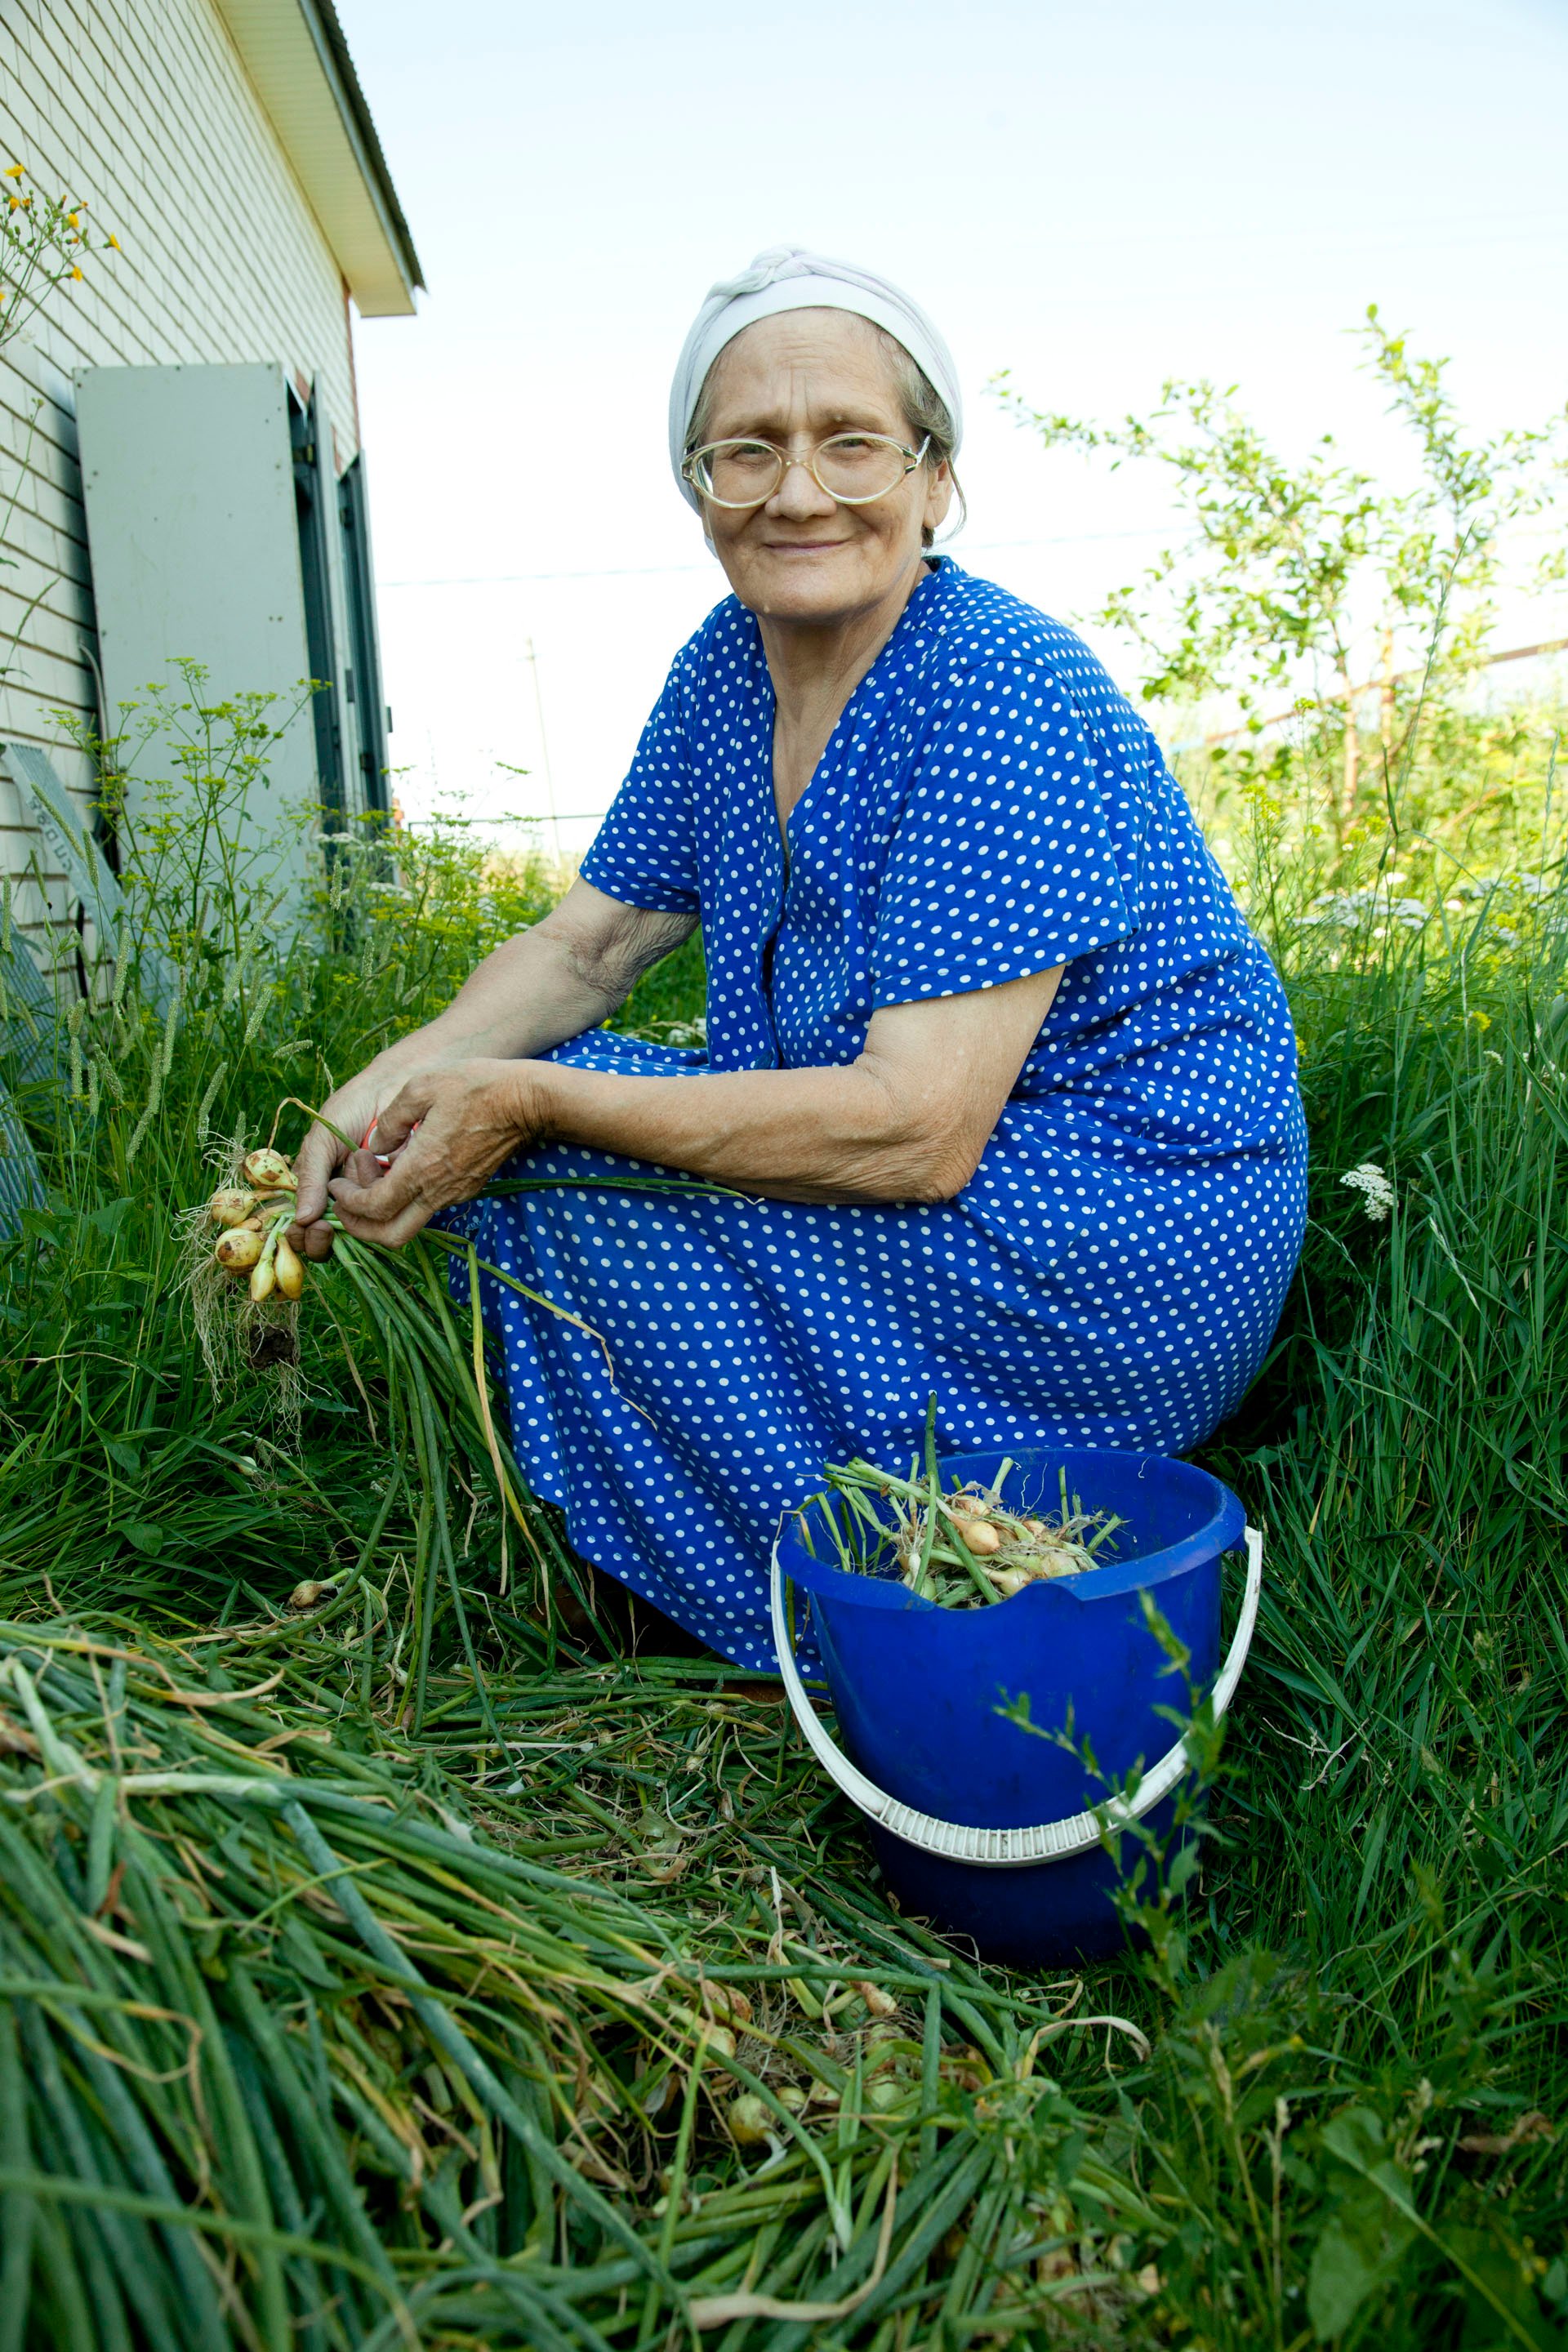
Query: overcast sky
1093	196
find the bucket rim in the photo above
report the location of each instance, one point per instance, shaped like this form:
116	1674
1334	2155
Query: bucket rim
1222	1532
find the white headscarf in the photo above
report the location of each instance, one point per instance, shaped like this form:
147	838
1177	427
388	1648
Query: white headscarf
787	278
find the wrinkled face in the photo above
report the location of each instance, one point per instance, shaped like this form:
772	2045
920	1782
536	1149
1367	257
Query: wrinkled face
803	557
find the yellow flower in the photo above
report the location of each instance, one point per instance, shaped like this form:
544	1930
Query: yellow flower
76	273
16	171
71	220
114	241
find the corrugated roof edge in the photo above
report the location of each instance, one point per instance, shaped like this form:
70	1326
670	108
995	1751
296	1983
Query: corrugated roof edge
323	18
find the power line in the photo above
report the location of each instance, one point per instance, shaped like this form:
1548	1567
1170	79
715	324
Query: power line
671	571
1167	529
1368	686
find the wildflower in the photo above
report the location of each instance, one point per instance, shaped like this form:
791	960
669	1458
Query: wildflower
112	241
1377	1193
16	171
73	220
75	272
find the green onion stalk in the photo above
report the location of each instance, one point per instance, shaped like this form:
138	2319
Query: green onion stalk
309	2039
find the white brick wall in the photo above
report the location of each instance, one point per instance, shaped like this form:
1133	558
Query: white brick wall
141	108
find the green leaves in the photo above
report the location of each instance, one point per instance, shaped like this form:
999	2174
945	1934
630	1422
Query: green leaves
1368	2234
1303	580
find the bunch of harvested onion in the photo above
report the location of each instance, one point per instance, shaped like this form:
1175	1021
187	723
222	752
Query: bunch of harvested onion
255	1216
428	1340
962	1549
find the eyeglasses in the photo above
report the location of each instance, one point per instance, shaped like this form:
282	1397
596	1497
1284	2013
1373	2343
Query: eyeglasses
852	467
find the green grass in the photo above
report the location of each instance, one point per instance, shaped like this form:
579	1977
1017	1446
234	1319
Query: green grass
1351	2126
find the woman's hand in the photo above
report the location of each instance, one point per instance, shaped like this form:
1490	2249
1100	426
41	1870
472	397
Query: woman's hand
445	1133
567	974
353	1110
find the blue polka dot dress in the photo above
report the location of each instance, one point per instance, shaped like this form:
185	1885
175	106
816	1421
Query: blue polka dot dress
989	806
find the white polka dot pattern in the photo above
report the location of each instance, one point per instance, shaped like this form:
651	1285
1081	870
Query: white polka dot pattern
989	805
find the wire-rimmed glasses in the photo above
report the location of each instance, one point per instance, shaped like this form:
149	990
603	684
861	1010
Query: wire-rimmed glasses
855	468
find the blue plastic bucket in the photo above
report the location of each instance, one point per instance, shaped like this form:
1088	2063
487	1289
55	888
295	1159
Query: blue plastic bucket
980	1826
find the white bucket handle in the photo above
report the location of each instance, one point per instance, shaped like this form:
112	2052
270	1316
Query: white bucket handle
1006	1849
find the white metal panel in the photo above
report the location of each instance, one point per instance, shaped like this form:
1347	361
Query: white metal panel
188	478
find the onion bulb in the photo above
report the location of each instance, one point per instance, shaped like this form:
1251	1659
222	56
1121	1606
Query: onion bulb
979	1534
311	1595
230	1207
290	1269
879	2003
750	2120
263	1280
239	1249
269	1172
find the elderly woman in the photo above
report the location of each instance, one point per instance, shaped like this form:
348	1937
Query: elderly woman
1005	1083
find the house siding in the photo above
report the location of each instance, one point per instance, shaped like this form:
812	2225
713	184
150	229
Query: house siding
142	108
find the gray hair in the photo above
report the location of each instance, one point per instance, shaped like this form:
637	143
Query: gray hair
926	415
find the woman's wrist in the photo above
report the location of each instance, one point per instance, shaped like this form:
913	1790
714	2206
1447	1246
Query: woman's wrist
531	1099
432	1047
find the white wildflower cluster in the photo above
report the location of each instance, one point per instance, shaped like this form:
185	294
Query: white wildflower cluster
1377	1193
1353	910
1522	885
685	1033
1377	907
1551	1035
1489	895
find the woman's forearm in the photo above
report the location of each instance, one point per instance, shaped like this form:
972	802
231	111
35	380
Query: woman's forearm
567	974
819	1135
907	1121
525	997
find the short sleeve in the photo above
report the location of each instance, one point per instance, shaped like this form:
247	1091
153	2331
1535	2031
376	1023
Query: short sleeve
645	852
1016	847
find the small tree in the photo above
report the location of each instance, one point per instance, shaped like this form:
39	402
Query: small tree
1283	568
